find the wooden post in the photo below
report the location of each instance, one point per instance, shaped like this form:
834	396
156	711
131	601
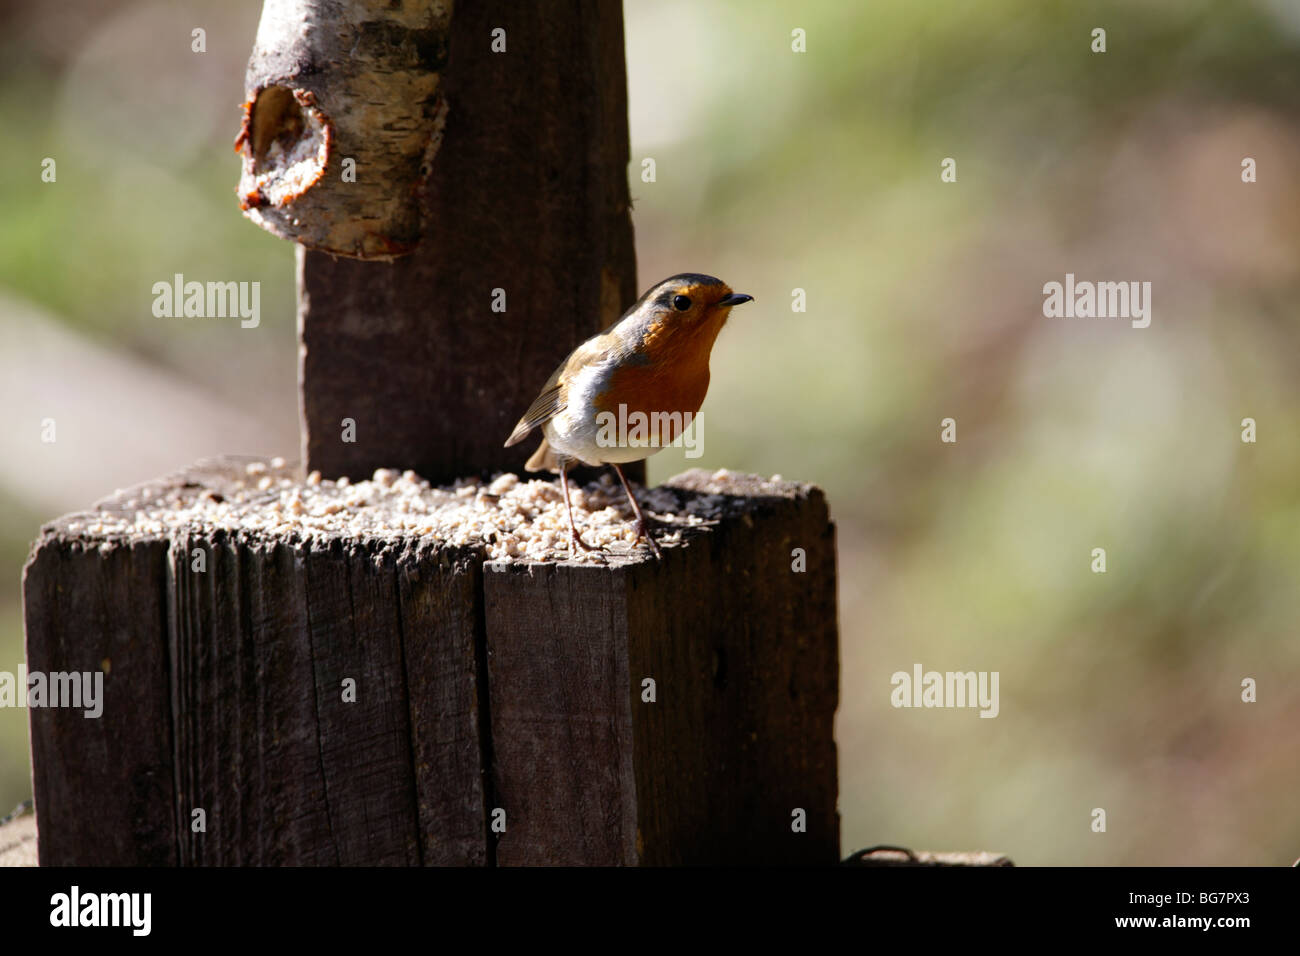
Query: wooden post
103	786
620	713
428	361
742	654
300	678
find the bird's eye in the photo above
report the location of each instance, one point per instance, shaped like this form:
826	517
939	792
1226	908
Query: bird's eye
681	303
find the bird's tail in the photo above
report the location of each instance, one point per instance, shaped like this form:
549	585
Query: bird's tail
543	459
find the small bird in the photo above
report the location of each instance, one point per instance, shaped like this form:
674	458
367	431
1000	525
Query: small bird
650	368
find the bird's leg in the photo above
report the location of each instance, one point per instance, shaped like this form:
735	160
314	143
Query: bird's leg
573	528
642	528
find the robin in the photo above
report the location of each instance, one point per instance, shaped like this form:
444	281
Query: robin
622	395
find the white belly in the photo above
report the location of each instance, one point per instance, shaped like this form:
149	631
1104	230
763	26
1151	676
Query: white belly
576	432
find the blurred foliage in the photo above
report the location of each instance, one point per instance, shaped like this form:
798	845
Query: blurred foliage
820	171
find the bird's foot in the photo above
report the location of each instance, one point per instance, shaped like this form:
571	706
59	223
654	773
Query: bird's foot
643	531
576	543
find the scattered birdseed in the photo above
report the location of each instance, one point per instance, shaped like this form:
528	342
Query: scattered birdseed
511	518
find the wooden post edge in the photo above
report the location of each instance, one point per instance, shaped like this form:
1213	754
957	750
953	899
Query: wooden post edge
335	697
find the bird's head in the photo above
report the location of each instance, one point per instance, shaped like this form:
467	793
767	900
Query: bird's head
688	300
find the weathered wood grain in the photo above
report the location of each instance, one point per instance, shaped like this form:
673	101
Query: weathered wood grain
287	771
104	785
226	691
562	721
440	592
745	652
479	686
744	655
412	351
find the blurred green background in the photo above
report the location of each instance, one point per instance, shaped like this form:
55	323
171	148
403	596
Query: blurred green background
820	171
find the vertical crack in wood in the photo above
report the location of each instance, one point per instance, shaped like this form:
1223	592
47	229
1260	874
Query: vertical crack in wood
315	696
245	581
171	586
181	603
167	605
406	696
486	749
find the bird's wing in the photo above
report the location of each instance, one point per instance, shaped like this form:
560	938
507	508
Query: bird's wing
545	407
549	403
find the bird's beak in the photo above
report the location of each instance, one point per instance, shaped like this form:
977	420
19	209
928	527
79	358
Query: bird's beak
734	298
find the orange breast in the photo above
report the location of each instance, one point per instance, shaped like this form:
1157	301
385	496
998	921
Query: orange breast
674	378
